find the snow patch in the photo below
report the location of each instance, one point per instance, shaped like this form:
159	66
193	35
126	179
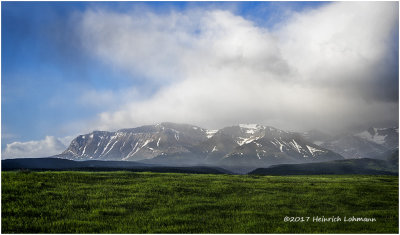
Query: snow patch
146	142
111	147
376	138
313	150
84	150
122	145
297	146
318	142
280	145
251	131
248	126
214	149
210	133
109	142
246	140
130	154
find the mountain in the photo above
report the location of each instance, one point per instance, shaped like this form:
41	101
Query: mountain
392	156
370	143
238	148
267	145
387	137
245	145
352	146
135	144
338	167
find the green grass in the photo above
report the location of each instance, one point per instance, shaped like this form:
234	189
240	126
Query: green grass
126	202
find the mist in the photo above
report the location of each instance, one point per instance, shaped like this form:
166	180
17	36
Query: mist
329	68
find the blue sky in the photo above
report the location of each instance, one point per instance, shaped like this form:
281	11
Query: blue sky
44	69
50	77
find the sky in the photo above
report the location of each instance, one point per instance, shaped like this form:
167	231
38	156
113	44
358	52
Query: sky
70	68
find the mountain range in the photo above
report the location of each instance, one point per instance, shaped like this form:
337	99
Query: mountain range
370	143
245	145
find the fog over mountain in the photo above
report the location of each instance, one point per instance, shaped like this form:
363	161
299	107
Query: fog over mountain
245	145
328	68
239	148
332	68
369	143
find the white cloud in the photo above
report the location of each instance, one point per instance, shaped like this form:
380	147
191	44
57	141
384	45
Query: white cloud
41	148
66	140
323	68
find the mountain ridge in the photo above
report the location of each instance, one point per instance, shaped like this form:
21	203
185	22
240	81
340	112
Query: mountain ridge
364	166
370	143
171	143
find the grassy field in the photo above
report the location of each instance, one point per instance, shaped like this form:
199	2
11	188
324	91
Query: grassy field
126	202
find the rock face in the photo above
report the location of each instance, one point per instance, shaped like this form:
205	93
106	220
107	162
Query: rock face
135	144
180	144
370	143
387	137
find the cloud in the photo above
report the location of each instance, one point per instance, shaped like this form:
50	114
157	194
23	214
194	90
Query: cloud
330	68
32	149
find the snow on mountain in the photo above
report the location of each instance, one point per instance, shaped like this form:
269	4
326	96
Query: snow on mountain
351	146
387	137
370	143
139	143
210	133
244	144
273	146
379	139
252	144
180	143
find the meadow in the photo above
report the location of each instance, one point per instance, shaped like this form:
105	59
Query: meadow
129	202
